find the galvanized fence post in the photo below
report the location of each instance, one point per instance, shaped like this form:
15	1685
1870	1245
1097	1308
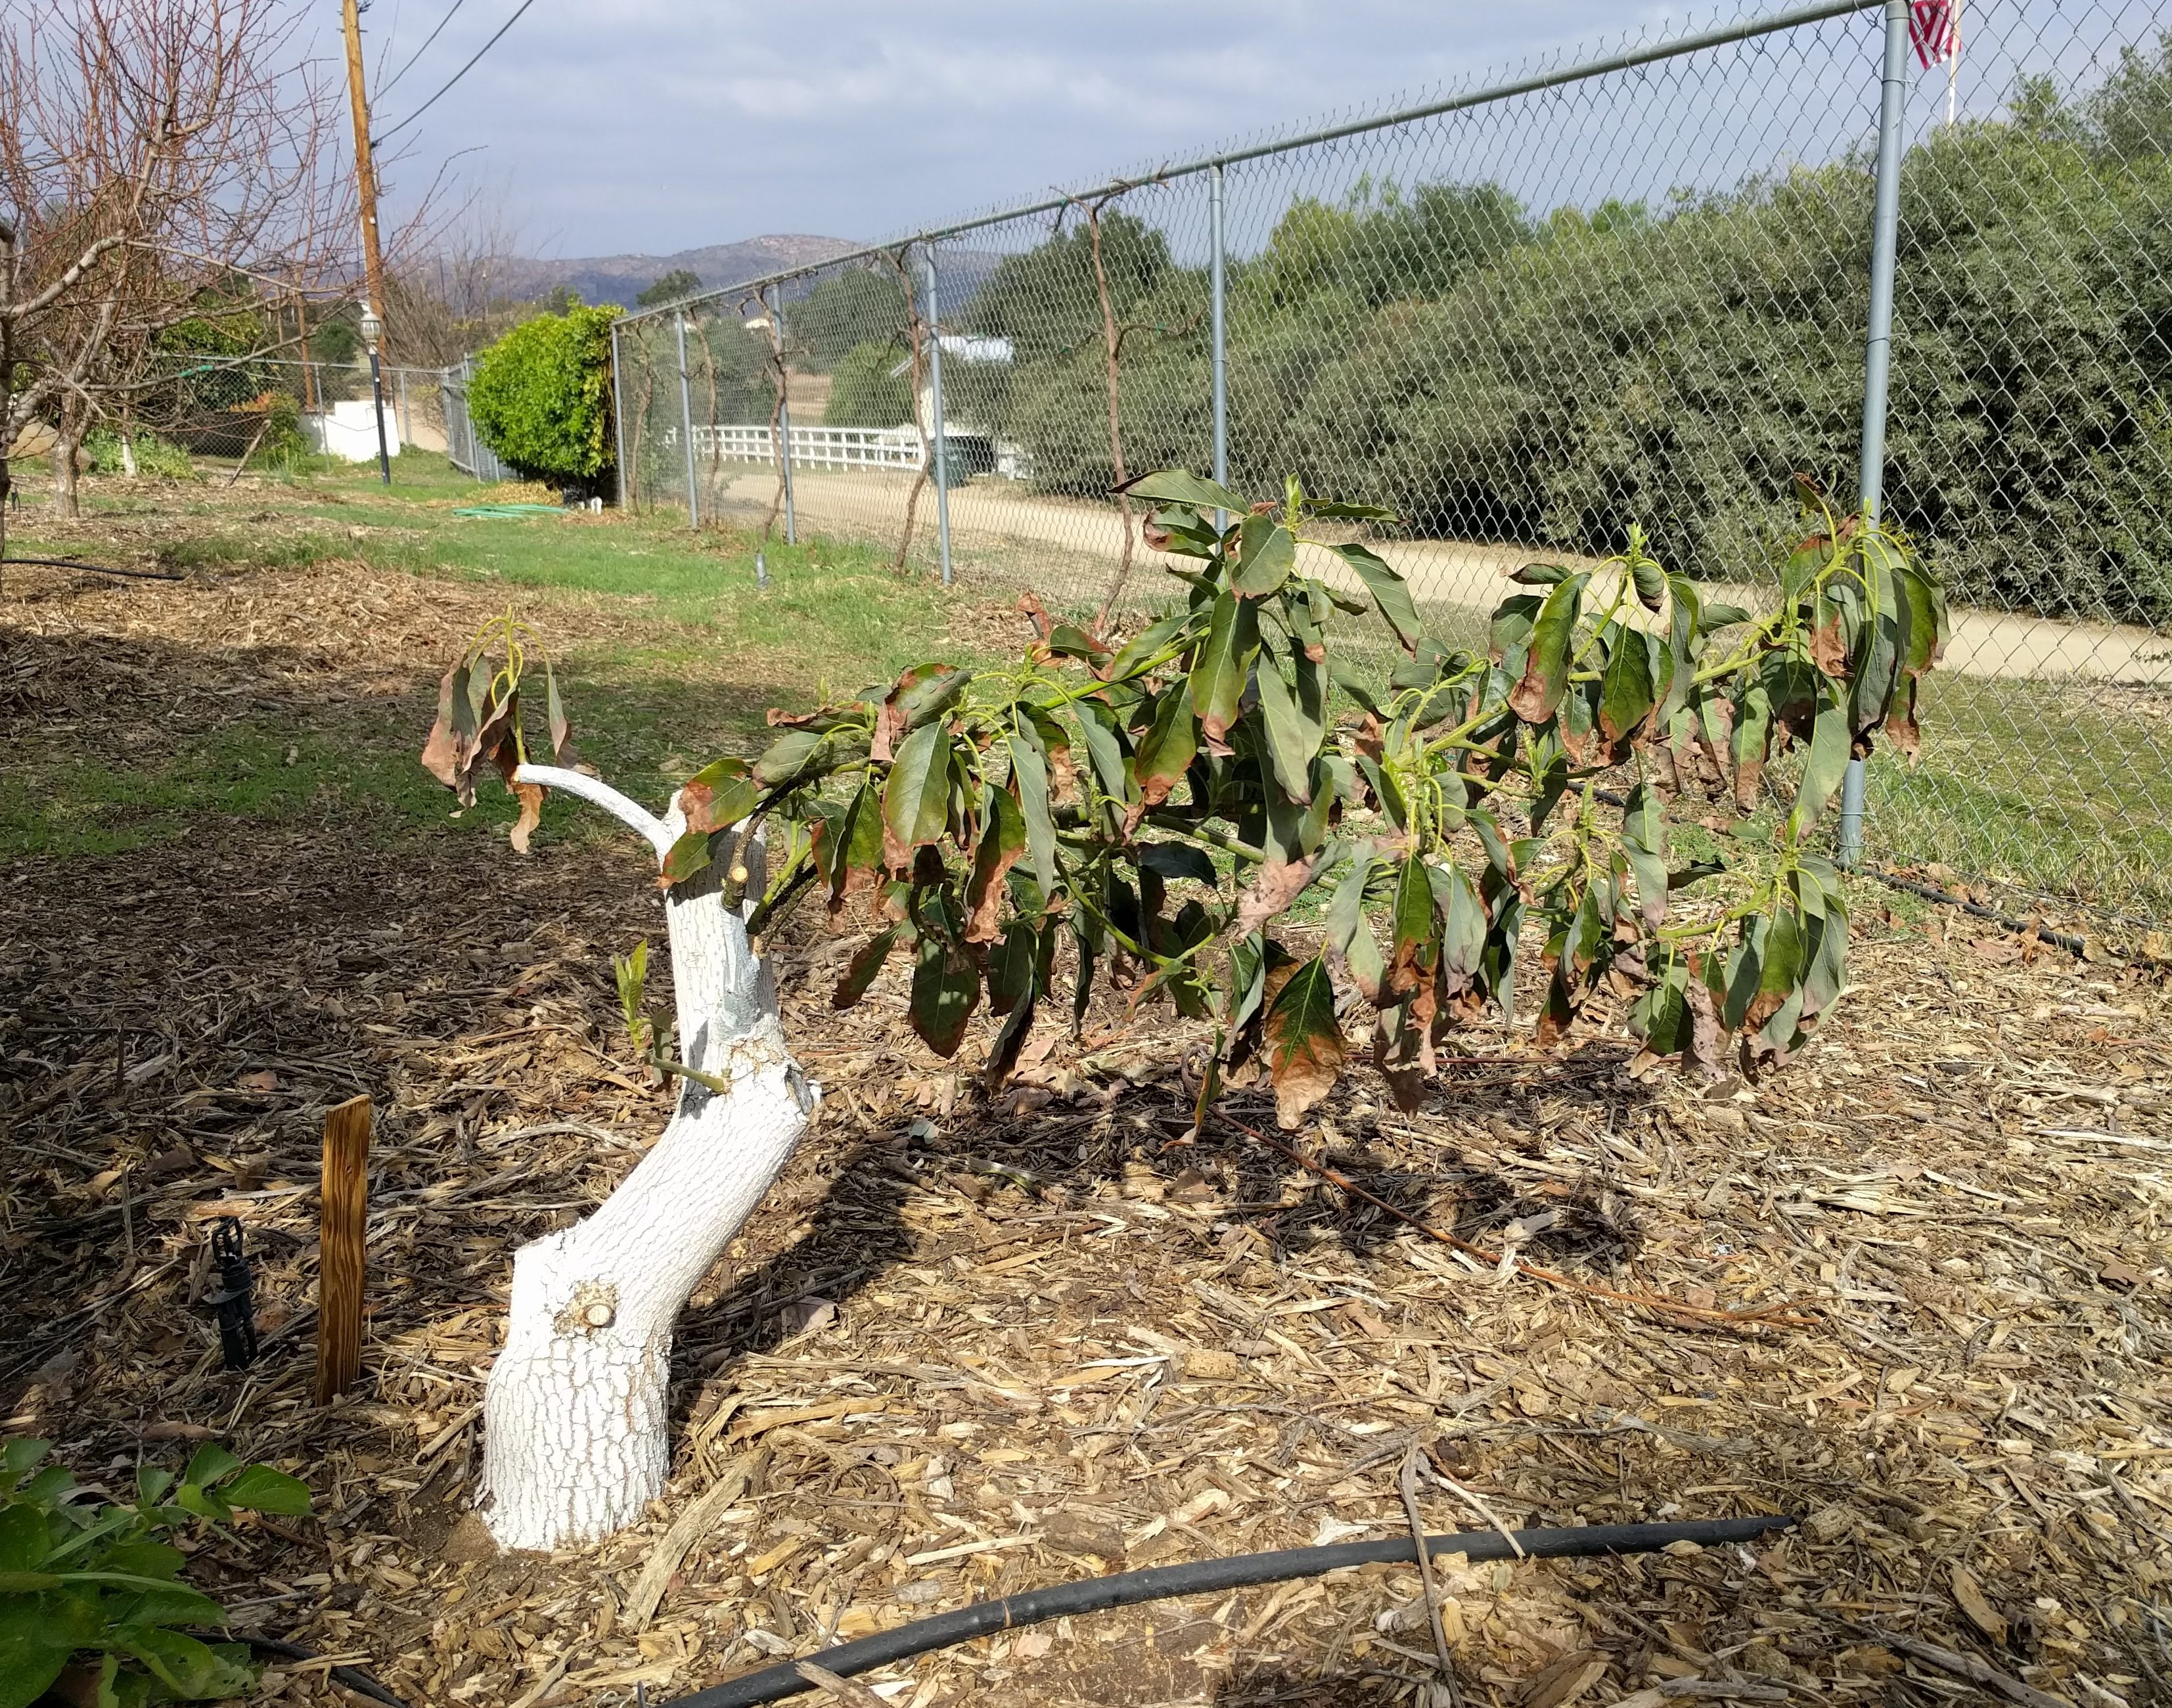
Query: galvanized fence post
467	416
1878	346
618	419
784	421
934	319
1217	289
686	421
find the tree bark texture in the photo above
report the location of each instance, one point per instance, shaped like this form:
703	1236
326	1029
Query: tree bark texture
575	1443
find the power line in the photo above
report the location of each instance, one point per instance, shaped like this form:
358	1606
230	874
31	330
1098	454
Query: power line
383	135
385	88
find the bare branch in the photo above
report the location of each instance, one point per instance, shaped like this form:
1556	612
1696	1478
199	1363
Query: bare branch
657	832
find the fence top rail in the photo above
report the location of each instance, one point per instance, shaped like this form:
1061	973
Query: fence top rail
220	360
1553	76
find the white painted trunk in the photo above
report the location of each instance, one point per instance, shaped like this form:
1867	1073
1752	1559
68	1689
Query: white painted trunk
574	1441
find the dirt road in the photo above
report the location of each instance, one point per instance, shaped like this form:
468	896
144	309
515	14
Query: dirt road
1072	546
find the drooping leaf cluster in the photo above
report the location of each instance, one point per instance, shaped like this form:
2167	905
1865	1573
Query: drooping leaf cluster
91	1580
479	721
1226	810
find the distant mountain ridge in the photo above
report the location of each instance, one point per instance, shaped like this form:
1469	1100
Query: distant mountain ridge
621	278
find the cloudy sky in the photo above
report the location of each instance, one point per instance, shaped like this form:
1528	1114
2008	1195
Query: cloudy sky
653	126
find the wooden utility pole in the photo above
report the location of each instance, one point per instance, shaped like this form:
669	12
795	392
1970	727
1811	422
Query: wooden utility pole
365	164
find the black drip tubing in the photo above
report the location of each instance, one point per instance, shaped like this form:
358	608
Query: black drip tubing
1207	1576
353	1678
2065	940
95	568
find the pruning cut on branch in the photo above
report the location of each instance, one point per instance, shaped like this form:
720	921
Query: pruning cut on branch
1162	808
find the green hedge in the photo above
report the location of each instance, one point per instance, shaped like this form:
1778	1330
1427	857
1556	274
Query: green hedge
1497	376
541	397
862	392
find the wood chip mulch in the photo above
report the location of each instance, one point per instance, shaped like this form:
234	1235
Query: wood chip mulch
969	1348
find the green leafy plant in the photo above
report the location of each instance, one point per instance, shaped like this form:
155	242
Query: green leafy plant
867	390
540	396
90	1581
1165	803
153	455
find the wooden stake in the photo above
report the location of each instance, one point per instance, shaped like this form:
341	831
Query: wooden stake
345	1209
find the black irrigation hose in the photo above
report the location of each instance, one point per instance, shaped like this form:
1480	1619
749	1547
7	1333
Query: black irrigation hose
1206	1577
2065	940
95	568
353	1678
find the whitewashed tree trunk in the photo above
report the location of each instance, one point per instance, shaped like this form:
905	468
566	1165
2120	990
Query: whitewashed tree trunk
574	1441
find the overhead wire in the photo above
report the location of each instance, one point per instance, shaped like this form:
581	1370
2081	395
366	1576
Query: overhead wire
385	135
386	87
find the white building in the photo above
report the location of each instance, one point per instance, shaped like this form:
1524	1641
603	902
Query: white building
349	431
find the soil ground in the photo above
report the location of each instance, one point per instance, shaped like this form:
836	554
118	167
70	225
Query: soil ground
967	1348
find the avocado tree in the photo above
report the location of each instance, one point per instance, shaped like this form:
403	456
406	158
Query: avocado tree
1156	805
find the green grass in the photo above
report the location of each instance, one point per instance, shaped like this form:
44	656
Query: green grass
2047	789
707	654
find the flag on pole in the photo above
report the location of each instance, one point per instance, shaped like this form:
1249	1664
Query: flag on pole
1935	27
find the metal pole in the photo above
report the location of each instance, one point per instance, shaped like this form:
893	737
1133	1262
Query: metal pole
686	421
934	319
1878	348
1217	286
618	419
377	392
784	419
405	417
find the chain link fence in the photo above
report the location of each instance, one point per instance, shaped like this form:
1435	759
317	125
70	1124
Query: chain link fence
464	449
1629	288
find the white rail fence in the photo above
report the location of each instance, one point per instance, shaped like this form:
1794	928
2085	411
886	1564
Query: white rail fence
812	447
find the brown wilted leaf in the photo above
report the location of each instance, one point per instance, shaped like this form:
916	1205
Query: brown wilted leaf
1280	883
1043	625
1305	1049
441	754
1901	728
1707	1045
1829	648
530	797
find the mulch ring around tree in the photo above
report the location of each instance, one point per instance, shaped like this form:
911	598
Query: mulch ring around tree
1911	1288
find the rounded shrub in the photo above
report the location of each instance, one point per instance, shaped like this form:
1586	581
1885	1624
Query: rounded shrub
541	397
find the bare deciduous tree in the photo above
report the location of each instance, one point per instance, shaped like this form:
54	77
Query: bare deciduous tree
151	151
451	291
